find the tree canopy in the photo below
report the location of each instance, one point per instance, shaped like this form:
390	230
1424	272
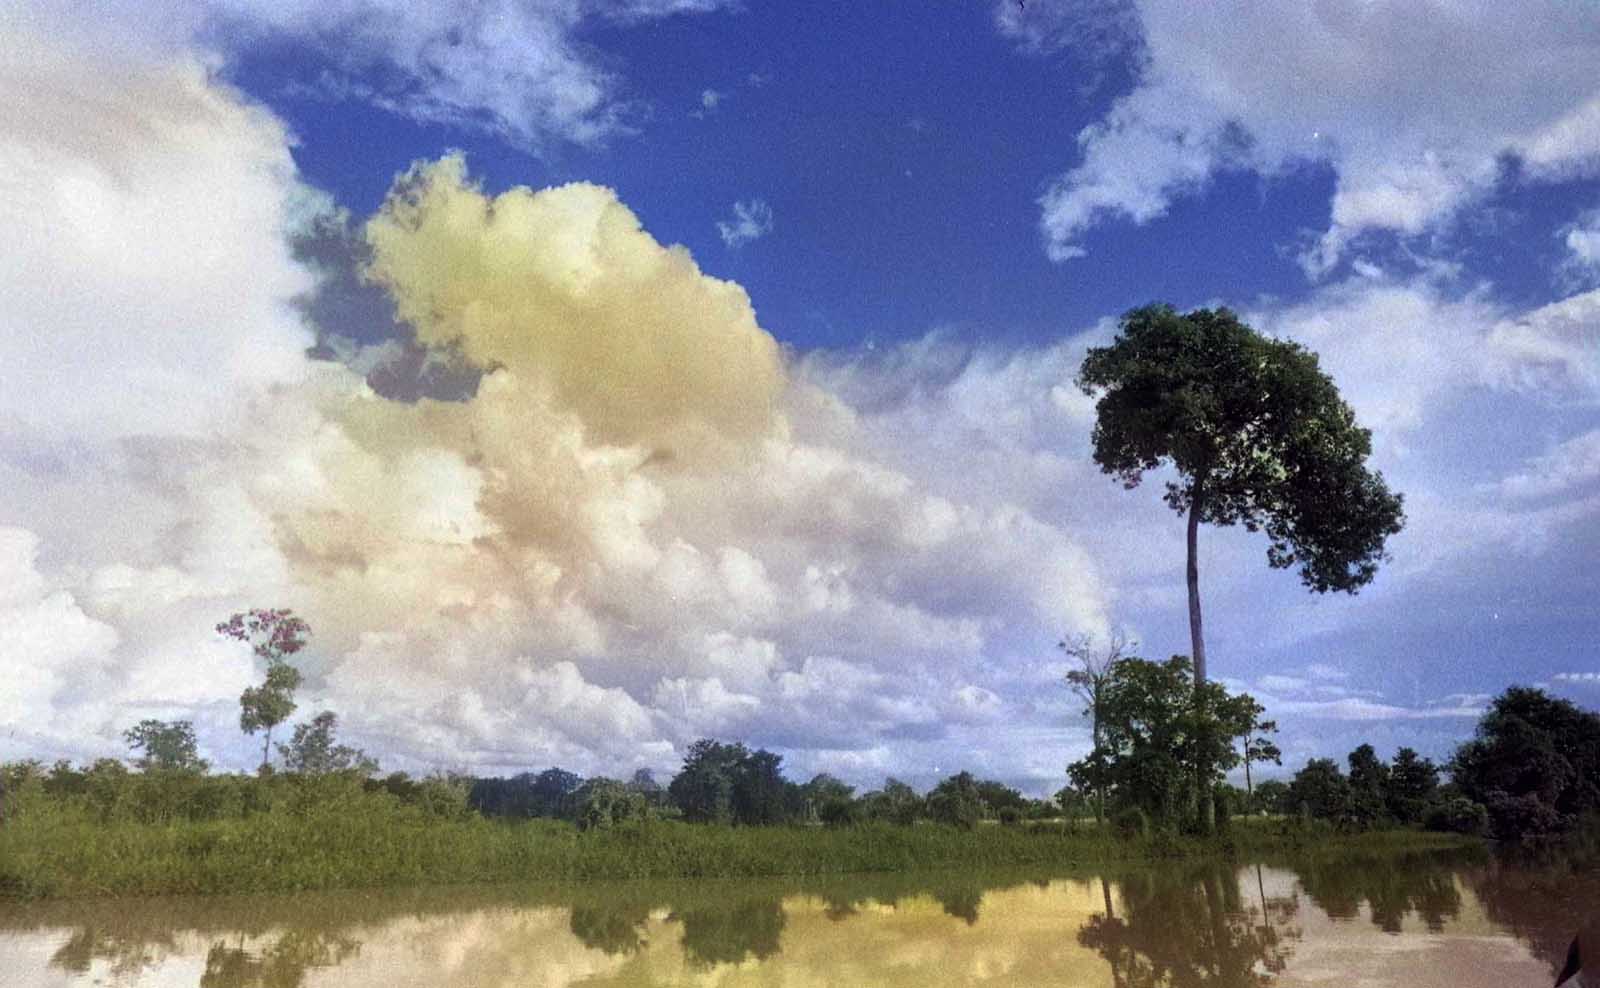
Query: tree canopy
1257	432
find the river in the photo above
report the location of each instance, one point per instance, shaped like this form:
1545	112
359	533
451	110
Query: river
1439	919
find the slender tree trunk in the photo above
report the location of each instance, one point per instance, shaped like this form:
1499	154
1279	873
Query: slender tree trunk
266	748
1249	790
1099	790
1197	643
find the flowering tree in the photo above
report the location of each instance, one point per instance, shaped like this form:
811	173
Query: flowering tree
274	635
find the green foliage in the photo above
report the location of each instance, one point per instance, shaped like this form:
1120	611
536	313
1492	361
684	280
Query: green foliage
174	833
1271	796
1130	822
604	803
1321	791
895	803
1368	786
1535	764
998	798
1158	728
313	751
1413	786
956	802
728	783
1257	432
1458	815
165	747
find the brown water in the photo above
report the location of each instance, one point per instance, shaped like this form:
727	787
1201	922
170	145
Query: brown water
1413	920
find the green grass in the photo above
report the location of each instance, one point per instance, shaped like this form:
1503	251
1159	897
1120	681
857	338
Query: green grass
61	848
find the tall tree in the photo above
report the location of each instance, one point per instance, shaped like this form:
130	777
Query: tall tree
164	746
1088	679
1258	436
274	635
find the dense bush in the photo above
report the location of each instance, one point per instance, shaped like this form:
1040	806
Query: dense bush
1458	815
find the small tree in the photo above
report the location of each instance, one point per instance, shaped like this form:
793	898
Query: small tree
313	751
1258	747
165	747
273	635
1088	680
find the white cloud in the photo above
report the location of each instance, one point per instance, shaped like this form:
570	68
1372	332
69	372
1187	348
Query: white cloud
710	99
1586	678
1412	107
1582	240
751	221
1573	465
518	70
124	316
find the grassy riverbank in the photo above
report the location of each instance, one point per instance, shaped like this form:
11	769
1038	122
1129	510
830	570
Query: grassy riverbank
65	851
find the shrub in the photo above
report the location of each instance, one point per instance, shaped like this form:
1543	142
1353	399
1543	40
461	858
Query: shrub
1458	815
1010	816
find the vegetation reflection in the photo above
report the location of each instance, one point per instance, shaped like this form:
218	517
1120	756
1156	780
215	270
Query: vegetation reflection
1191	925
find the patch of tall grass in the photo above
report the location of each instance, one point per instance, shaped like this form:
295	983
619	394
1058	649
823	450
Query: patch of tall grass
299	834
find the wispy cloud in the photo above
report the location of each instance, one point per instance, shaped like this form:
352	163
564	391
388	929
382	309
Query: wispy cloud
751	221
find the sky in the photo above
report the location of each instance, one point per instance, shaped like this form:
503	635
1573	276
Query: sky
599	375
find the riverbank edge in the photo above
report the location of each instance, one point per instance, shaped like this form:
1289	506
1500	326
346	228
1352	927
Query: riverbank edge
276	855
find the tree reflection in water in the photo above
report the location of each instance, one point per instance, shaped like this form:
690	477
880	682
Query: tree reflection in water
1543	895
617	929
1189	925
714	934
1392	887
283	964
126	955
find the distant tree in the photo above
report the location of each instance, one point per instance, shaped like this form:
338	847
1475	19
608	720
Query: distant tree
1088	679
825	795
165	746
896	802
1413	786
1271	796
273	635
1535	763
1369	785
313	750
998	798
604	803
1321	790
761	795
956	801
703	788
644	783
1258	436
553	793
1258	747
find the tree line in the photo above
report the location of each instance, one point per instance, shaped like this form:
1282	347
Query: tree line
1158	735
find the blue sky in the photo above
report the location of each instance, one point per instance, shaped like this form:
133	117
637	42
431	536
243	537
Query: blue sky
844	508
